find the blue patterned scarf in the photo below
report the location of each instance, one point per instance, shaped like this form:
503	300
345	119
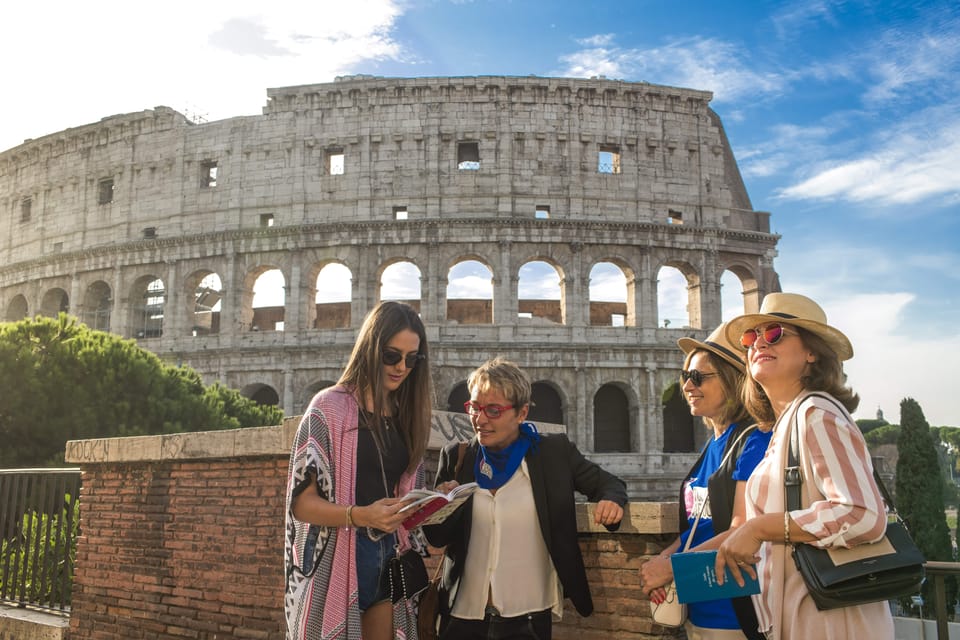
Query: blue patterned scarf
493	469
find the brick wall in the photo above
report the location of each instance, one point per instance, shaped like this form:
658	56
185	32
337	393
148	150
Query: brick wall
182	537
185	549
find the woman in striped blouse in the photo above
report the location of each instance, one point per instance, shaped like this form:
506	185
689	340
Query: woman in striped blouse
791	352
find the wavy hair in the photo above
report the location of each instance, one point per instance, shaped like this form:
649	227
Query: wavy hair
825	374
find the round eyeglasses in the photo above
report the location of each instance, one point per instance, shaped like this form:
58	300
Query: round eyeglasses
771	334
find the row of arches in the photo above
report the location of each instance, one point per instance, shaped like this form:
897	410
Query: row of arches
470	297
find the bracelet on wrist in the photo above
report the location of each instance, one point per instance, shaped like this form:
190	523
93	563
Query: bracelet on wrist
350	516
786	527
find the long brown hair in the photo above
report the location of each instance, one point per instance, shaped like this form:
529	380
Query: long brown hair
364	375
825	373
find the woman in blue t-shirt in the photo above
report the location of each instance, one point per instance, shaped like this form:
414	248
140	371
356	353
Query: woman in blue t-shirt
712	375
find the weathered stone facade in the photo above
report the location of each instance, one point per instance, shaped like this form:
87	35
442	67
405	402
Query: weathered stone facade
366	172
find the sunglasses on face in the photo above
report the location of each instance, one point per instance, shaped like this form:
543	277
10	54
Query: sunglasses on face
771	334
390	357
695	376
492	411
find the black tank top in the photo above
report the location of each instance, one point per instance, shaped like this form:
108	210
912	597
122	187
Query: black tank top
395	460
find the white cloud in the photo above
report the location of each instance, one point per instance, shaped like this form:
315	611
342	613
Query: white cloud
919	162
218	59
400	281
538	281
704	63
889	366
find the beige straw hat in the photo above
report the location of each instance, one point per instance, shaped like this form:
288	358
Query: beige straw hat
718	343
796	310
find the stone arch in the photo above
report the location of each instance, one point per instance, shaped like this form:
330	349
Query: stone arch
18	309
678	296
537	277
261	393
749	291
678	424
148	298
331	297
546	403
457	396
470	291
611	419
97	306
259	309
55	301
203	301
400	279
612	302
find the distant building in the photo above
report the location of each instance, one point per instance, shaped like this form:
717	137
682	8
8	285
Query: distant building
157	228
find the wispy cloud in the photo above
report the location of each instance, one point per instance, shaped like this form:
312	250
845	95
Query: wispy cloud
705	63
918	163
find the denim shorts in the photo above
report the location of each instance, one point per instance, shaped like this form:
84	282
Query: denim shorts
372	560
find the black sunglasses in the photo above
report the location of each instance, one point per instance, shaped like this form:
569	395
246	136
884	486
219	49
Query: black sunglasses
390	357
695	376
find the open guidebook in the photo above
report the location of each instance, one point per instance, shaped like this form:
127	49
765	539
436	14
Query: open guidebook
432	507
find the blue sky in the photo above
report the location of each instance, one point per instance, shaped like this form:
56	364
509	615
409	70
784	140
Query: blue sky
844	117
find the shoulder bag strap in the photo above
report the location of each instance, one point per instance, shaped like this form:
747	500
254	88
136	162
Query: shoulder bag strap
792	478
726	457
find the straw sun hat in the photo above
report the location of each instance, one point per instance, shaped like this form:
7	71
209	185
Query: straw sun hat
796	310
718	343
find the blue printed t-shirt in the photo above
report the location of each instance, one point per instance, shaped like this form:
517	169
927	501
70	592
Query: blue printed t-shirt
717	614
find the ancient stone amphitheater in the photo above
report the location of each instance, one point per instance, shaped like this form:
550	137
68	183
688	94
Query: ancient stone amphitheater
157	228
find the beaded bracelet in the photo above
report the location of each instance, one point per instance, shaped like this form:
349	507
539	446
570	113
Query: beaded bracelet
786	527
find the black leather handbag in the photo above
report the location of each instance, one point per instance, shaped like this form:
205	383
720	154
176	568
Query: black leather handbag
883	570
407	574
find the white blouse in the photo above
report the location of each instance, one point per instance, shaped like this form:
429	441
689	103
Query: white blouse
507	562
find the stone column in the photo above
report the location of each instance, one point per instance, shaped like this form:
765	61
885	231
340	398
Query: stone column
505	303
287	401
647	300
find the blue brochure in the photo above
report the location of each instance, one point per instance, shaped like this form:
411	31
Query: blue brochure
696	578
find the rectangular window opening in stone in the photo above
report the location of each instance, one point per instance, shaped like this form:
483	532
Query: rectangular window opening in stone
149	233
105	191
468	156
208	174
542	212
335	162
617	320
266	219
57	247
400	213
674	216
609	159
26	208
526	315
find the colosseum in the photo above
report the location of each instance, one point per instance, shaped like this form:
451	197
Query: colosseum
159	228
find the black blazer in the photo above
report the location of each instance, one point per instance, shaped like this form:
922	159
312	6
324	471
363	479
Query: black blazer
557	469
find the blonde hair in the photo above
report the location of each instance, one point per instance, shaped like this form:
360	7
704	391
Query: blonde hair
499	374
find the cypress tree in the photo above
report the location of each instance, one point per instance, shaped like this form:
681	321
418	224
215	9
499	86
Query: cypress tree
920	496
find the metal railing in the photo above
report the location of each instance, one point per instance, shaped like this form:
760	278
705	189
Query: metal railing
39	520
937	571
